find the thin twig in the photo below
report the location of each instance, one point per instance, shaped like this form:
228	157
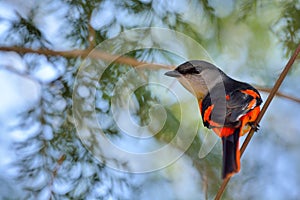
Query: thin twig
92	37
92	34
59	162
278	93
263	110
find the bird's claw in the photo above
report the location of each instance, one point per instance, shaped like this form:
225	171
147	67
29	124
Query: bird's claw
254	126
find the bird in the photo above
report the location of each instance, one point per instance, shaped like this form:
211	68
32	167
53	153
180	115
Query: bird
227	106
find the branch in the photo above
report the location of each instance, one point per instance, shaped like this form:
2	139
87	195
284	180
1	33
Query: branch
261	114
95	54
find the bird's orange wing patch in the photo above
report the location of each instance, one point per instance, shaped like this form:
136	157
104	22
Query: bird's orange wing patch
251	93
207	117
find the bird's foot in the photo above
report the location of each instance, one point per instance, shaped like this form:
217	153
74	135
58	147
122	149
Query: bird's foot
254	126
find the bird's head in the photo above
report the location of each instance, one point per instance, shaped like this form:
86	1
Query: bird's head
197	76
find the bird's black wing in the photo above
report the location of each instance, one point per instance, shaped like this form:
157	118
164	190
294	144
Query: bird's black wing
219	108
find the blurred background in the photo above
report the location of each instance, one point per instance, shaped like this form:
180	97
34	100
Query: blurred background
43	45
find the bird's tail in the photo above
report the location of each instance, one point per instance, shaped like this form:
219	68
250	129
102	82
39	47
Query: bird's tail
231	154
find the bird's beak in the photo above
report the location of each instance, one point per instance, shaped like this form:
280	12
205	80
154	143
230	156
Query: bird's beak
174	73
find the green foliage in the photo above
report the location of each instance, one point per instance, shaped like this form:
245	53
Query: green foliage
290	25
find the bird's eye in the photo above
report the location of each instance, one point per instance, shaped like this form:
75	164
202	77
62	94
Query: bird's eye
190	70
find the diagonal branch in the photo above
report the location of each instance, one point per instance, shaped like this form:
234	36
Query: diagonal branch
263	110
